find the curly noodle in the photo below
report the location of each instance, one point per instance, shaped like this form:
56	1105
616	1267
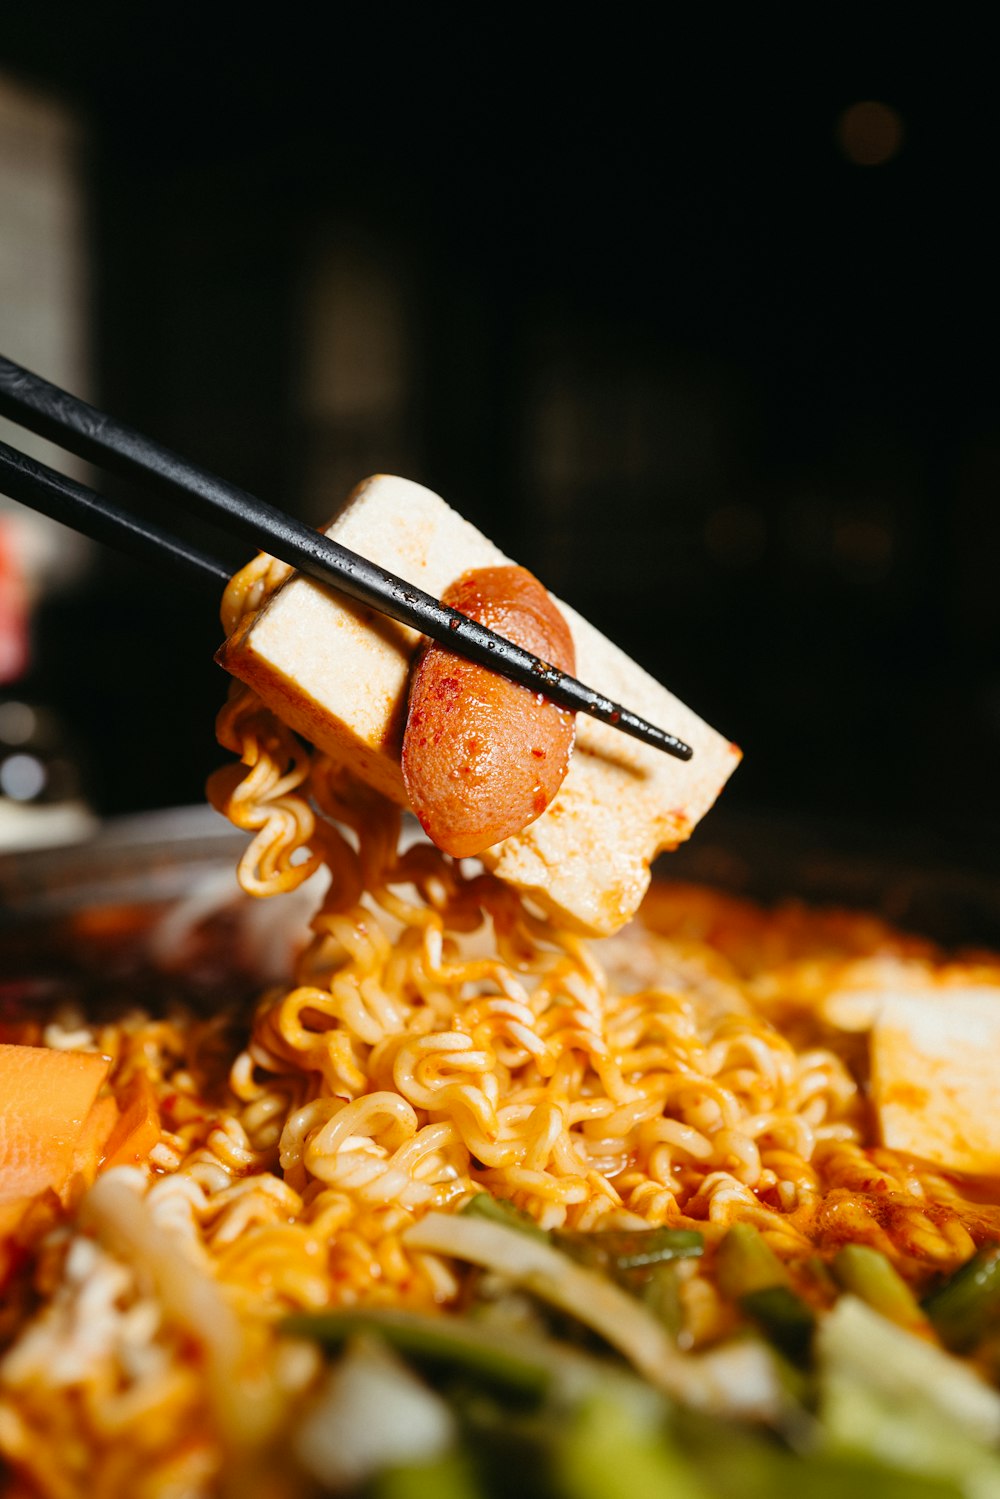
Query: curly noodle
439	1038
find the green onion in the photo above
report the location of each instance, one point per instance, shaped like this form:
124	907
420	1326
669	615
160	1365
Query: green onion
751	1274
784	1318
627	1249
868	1273
821	1278
442	1340
643	1262
639	1260
659	1289
732	1377
968	1304
501	1210
746	1263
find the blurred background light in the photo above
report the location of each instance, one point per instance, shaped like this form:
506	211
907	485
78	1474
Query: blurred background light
870	133
22	777
18	722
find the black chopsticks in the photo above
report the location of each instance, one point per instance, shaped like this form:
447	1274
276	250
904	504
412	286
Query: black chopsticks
79	428
65	500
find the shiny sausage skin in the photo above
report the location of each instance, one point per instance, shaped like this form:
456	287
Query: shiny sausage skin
483	757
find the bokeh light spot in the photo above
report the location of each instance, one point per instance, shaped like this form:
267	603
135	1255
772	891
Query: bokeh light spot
870	133
22	777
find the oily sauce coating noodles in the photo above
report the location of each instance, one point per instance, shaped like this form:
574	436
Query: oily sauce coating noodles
439	1037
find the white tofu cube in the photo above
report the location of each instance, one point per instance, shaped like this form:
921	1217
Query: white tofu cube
934	1058
339	675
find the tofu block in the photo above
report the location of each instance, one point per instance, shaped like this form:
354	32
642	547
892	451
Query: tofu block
338	674
866	983
934	1075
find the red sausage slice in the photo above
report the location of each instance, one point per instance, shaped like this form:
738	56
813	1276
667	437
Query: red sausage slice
483	757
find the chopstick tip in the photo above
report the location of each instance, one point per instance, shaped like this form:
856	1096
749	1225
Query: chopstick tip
648	733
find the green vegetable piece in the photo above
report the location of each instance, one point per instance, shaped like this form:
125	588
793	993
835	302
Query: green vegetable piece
901	1400
737	1462
868	1273
768	1472
606	1453
629	1249
821	1277
438	1340
659	1287
449	1477
784	1319
643	1262
968	1304
746	1263
905	1434
500	1210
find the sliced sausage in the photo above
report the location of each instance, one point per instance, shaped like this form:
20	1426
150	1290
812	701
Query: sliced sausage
483	757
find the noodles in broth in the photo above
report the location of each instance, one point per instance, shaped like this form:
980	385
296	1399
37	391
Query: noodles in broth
440	1039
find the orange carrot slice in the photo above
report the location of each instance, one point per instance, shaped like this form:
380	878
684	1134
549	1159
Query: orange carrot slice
137	1128
45	1098
92	1143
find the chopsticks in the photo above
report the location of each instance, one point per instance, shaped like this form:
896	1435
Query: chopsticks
63	499
79	428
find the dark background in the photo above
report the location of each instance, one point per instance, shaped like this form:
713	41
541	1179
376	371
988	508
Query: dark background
728	392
